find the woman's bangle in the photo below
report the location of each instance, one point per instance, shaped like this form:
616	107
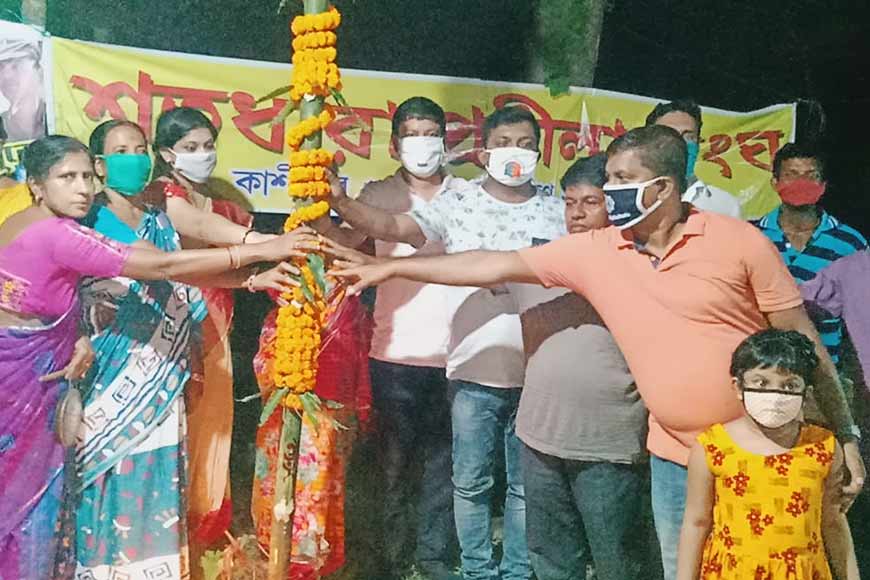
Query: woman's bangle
235	258
249	283
245	237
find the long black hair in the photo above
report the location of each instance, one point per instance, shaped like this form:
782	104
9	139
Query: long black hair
172	126
788	350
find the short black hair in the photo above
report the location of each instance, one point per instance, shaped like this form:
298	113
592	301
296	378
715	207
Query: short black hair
586	171
418	108
686	106
97	141
172	126
43	154
788	350
798	151
662	150
511	115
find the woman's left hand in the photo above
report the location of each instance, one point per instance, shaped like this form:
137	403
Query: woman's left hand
82	358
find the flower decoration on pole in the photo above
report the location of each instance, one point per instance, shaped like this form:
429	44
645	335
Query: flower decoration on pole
301	321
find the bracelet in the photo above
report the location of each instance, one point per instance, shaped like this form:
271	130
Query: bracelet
249	283
235	259
245	237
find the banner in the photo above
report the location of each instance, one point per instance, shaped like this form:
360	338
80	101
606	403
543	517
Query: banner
22	90
95	82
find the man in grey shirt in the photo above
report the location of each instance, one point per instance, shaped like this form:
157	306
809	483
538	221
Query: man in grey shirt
581	421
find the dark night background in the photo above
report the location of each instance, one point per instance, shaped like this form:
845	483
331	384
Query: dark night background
731	54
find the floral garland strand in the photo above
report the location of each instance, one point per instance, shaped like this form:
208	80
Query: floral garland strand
299	324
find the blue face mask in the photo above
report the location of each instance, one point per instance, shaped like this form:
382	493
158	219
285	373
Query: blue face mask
625	203
693	149
127	174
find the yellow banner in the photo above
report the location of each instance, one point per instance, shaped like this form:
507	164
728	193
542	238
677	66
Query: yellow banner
94	82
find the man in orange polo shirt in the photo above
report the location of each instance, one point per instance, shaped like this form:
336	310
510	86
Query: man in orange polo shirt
677	287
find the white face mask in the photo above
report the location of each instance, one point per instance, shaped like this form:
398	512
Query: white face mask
772	409
197	167
512	166
422	156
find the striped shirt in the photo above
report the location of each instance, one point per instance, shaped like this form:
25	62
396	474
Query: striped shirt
830	241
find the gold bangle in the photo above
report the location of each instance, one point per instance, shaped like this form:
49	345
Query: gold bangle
235	258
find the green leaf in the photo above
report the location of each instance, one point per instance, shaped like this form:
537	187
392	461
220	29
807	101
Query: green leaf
311	406
306	291
273	401
276	93
318	268
285	112
211	564
558	86
339	98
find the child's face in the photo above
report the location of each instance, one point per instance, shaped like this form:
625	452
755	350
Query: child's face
773	397
771	379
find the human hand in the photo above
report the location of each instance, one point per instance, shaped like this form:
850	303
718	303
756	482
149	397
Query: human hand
337	194
79	364
365	275
857	474
280	278
347	257
258	238
296	244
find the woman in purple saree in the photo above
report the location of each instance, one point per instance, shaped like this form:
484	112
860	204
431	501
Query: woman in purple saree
43	254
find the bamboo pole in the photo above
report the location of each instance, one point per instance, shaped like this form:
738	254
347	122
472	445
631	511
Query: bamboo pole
281	538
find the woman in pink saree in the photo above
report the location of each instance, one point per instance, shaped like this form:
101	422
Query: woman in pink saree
43	254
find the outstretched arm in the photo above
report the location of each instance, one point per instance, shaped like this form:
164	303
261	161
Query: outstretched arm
374	222
477	268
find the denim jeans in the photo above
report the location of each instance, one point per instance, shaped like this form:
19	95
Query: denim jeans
668	503
580	512
414	451
483	419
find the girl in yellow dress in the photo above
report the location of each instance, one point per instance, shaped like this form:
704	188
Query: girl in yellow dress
763	490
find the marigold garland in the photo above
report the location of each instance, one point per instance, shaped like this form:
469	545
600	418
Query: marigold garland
315	74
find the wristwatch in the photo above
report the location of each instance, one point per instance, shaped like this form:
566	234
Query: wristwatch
850	432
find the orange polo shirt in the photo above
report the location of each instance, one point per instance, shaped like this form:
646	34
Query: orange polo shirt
677	322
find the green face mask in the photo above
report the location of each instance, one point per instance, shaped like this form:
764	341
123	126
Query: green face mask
127	174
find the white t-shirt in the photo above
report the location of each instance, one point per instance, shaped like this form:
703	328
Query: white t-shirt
411	324
711	198
485	344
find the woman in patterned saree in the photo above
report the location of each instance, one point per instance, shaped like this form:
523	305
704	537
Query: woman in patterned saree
131	455
43	255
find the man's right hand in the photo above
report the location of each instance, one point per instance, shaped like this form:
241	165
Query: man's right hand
365	276
337	194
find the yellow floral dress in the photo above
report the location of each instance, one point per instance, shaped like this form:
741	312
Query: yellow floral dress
767	510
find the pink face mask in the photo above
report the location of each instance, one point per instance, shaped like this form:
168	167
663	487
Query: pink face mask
800	191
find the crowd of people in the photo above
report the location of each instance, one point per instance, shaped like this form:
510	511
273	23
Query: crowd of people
661	388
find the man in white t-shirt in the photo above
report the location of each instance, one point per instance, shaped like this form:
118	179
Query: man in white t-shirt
684	117
485	361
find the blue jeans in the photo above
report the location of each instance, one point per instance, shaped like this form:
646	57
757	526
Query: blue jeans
483	419
580	512
668	503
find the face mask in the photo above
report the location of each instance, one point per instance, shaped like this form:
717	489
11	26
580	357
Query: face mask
693	150
422	156
625	203
772	409
127	174
197	167
512	166
800	191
